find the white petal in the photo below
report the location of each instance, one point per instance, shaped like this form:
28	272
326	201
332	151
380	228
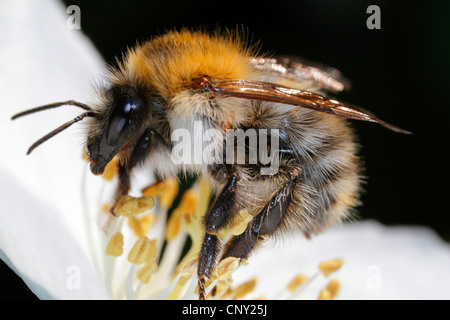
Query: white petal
42	61
380	263
37	246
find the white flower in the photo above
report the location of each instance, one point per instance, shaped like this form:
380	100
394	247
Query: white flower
50	232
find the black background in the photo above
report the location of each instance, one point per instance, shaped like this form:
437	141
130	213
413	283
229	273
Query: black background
400	72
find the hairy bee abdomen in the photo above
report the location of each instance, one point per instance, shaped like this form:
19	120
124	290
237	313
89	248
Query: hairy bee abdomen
322	148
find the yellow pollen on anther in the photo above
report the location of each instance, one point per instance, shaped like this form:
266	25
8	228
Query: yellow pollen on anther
145	273
144	250
223	273
105	207
141	225
128	206
244	289
111	170
324	295
84	155
194	227
165	190
296	282
115	245
173	225
333	288
330	266
182	213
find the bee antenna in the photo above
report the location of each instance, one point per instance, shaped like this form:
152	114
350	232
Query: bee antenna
51	106
57	130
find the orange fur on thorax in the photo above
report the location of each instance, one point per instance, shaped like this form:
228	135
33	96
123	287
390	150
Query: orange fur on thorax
171	62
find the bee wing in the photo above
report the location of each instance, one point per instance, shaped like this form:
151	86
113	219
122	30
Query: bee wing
300	74
264	91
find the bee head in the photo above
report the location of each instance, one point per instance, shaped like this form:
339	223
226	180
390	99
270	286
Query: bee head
119	124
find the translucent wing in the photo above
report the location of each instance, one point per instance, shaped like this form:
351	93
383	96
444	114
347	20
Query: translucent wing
300	74
264	91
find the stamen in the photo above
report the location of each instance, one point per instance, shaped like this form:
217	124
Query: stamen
328	267
111	170
128	206
145	273
84	155
182	212
144	250
105	207
224	271
324	295
115	245
226	267
244	289
166	191
296	282
333	288
330	292
141	226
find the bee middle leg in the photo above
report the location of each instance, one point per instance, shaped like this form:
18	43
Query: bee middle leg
265	223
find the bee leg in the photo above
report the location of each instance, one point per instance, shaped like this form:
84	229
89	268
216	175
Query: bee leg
220	213
149	140
123	187
265	222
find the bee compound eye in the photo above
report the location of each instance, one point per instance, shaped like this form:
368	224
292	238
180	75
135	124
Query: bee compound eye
120	119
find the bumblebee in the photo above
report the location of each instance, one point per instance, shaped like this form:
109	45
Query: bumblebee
182	78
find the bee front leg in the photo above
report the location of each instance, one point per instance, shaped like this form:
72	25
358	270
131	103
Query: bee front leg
148	141
218	216
123	187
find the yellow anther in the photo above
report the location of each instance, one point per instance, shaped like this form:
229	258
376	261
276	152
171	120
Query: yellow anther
173	224
324	295
226	267
226	294
115	245
203	198
141	226
333	288
84	155
222	286
143	250
128	206
330	266
188	202
166	191
145	273
188	266
105	207
240	223
296	282
182	213
244	289
110	170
